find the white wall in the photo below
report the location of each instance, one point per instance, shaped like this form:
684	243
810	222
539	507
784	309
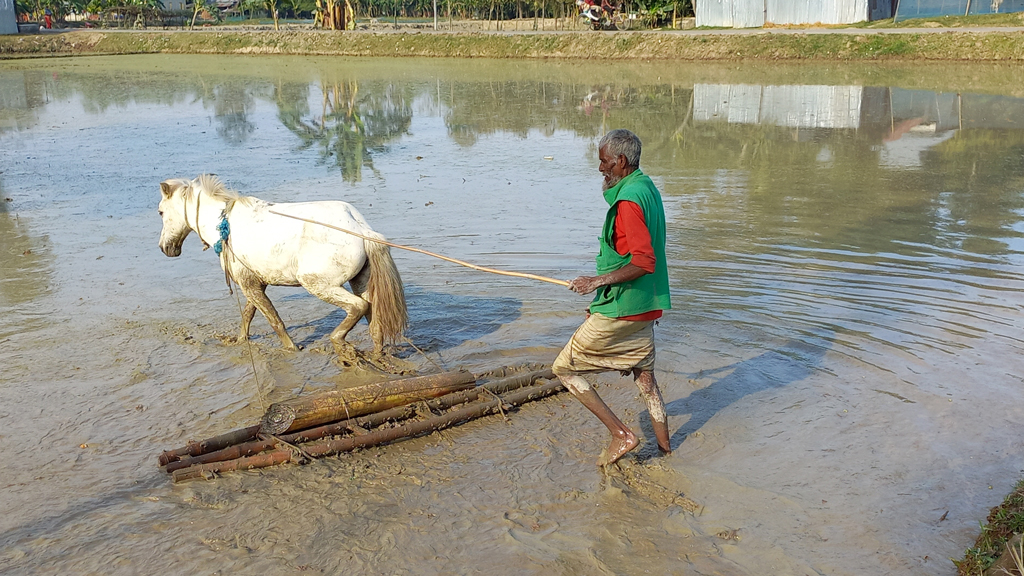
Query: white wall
754	13
730	13
815	11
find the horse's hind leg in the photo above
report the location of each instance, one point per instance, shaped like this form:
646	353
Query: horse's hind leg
256	296
354	307
247	315
359	284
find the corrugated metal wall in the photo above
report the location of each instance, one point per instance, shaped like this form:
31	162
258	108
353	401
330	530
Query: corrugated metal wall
926	8
730	13
811	11
8	21
754	13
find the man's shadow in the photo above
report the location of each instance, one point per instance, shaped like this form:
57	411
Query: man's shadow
793	361
437	320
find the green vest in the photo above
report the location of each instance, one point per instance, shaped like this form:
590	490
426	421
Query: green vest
650	291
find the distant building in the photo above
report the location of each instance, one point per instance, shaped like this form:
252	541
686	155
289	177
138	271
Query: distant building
174	4
757	13
8	20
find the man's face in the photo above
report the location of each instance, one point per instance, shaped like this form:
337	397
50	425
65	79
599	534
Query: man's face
612	167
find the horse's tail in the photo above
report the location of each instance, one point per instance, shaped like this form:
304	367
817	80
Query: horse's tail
388	314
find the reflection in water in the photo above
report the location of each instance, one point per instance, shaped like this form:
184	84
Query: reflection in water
19	98
875	203
231	102
350	123
917	190
25	261
907	186
474	109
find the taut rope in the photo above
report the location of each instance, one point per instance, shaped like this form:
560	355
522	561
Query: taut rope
420	251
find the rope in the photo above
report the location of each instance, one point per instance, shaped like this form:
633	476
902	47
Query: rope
424	354
421	251
241	316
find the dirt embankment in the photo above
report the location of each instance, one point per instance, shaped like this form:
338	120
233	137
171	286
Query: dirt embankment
952	45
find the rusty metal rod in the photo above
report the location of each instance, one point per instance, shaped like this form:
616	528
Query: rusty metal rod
323	448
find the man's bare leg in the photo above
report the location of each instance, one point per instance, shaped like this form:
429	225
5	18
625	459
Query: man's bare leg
623	439
655	406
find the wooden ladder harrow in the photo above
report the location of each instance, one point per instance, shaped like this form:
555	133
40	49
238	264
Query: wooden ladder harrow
339	421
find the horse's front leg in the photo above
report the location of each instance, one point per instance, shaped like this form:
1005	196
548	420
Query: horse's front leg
256	297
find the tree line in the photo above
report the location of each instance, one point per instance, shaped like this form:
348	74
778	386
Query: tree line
341	14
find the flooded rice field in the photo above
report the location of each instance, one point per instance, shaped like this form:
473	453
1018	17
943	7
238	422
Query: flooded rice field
842	369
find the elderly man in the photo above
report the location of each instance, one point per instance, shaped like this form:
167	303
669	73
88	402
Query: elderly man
632	291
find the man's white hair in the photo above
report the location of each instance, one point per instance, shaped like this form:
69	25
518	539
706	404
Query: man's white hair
622	142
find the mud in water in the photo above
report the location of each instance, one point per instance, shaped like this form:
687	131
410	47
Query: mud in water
841	366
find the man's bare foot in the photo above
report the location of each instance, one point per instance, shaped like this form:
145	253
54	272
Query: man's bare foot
618	448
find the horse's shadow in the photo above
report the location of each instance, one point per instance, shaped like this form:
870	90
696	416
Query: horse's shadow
791	362
437	320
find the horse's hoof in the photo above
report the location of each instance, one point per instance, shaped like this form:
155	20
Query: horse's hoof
347	354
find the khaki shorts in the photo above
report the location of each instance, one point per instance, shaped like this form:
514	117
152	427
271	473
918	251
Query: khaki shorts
602	344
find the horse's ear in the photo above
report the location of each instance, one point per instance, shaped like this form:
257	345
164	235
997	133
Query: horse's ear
166	189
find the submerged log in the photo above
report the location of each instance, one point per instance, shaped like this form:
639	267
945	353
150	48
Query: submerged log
344	404
209	445
369	421
329	447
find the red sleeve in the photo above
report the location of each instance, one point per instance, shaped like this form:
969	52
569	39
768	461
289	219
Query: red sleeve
631	235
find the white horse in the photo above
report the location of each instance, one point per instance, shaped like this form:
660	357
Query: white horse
263	249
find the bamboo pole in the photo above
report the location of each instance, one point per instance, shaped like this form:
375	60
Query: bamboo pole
421	251
329	447
369	421
335	405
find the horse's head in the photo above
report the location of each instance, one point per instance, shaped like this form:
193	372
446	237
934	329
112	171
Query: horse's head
172	211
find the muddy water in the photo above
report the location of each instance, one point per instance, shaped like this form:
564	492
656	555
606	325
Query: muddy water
842	367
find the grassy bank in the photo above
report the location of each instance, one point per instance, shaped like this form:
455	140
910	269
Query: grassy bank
963	45
1003	522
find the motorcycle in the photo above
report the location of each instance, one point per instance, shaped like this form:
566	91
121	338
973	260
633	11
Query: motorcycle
600	16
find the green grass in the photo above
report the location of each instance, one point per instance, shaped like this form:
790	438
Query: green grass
966	45
1004	521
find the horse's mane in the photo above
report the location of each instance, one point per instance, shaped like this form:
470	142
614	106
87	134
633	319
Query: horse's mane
216	189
